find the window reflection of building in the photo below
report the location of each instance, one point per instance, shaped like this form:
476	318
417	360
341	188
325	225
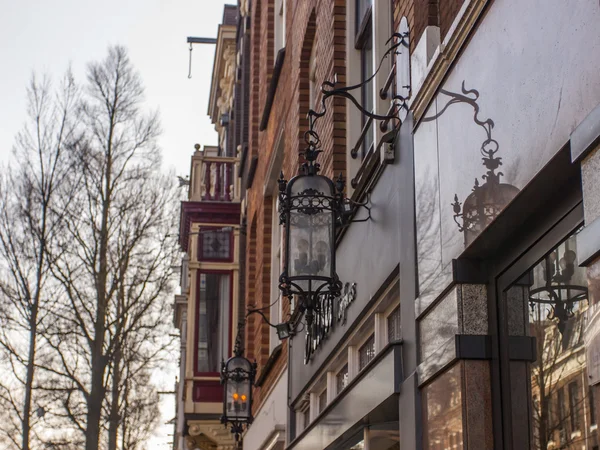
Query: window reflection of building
443	411
342	379
563	410
366	353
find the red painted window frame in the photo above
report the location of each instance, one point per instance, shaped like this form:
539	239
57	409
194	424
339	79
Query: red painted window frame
199	272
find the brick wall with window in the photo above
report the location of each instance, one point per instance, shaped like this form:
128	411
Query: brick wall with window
315	27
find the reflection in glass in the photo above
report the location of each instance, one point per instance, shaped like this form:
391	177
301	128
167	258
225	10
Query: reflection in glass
366	353
310	232
443	411
342	379
558	316
558	285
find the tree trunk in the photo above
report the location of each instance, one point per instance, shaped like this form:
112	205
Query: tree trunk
26	424
98	390
113	420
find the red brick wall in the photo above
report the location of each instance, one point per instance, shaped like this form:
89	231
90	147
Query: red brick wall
448	11
308	22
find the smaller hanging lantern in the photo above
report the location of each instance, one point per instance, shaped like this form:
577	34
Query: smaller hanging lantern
237	377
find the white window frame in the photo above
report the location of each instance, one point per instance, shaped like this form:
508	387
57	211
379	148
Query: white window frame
271	190
275	309
381	29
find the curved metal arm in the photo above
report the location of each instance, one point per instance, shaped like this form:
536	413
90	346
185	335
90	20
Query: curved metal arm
329	89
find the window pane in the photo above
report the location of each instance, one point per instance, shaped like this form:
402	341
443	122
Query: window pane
393	322
362	6
443	411
550	303
342	379
215	245
366	59
366	353
322	401
213	321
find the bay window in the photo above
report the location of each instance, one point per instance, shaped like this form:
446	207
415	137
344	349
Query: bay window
213	324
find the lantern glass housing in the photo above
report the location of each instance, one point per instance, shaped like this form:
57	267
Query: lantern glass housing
310	226
238	376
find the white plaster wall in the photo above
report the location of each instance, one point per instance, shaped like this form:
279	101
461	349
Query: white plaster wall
536	66
271	417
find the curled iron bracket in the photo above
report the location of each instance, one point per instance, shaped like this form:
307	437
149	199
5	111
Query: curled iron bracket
329	89
351	209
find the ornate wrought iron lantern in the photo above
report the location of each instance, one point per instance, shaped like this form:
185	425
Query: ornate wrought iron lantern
312	207
237	377
556	281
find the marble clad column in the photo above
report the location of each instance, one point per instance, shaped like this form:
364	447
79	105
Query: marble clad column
456	393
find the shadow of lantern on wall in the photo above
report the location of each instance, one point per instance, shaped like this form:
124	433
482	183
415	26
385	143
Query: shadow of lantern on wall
486	200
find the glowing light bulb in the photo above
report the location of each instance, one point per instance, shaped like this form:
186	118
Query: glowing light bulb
243	397
236	396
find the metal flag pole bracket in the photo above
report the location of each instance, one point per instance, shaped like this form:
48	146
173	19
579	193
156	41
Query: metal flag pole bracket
197	40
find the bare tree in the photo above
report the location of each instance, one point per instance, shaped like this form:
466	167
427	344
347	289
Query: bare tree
114	261
29	226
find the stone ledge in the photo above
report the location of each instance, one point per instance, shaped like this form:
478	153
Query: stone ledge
588	243
586	136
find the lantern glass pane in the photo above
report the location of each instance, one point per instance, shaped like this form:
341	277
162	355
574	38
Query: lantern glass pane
310	231
237	389
238	400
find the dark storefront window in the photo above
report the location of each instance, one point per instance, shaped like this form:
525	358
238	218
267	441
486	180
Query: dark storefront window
443	411
366	353
213	322
549	303
341	379
393	323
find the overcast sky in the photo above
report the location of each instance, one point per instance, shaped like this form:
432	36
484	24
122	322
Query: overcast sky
46	36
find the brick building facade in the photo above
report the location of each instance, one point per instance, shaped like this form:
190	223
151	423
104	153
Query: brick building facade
467	318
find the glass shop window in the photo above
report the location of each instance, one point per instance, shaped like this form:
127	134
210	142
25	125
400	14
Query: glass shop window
215	244
442	411
550	303
366	353
213	321
393	325
342	379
